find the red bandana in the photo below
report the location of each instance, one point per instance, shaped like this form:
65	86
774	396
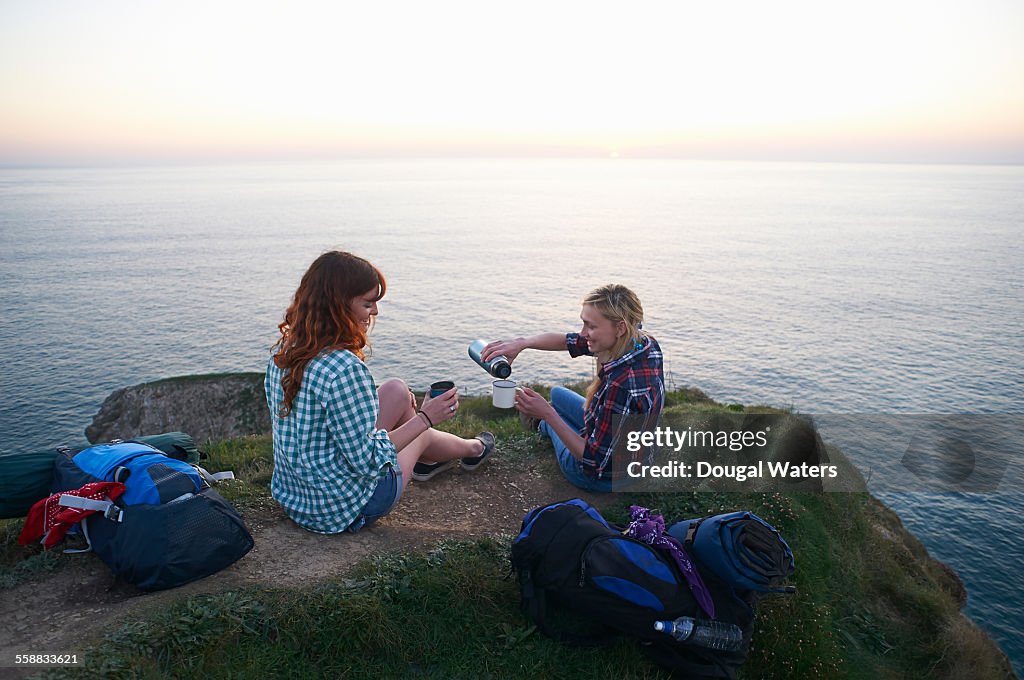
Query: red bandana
51	520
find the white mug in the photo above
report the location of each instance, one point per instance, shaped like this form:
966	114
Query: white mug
503	393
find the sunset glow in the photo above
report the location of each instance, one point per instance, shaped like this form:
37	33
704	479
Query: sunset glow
930	81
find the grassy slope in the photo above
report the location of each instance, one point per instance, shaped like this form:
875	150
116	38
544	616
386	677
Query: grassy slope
870	603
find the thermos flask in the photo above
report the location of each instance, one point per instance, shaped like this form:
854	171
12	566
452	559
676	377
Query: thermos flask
499	366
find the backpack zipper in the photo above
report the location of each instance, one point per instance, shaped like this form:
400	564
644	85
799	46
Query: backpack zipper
586	551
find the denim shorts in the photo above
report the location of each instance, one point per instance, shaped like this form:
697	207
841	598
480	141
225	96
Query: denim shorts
384	498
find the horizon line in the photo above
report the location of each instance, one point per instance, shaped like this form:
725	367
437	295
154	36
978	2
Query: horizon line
187	162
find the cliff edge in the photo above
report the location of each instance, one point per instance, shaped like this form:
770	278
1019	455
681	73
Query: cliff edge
870	603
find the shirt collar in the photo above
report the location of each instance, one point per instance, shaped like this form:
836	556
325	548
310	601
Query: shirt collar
628	356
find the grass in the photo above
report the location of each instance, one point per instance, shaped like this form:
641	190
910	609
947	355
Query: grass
393	617
18	563
869	604
858	613
252	461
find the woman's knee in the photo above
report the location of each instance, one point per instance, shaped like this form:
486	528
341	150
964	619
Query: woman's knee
392	388
396	406
568	404
393	391
565	395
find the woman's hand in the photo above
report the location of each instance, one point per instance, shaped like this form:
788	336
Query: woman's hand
533	405
510	349
442	407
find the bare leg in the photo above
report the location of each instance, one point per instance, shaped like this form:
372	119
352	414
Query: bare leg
396	405
432	446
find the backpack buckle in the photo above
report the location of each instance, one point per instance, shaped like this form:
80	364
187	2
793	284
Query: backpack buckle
110	510
114	513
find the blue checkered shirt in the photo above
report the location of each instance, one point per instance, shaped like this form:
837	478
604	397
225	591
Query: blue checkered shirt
328	454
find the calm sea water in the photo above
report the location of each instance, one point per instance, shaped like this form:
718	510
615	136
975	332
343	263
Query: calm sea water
831	288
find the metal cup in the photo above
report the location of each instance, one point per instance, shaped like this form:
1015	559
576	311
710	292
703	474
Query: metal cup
503	393
440	387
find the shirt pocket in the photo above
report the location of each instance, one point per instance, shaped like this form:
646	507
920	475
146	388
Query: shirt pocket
641	400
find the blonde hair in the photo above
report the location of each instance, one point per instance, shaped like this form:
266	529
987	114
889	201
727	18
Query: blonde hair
618	304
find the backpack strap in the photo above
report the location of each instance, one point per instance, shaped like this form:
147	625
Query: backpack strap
691	531
88	541
110	510
212	478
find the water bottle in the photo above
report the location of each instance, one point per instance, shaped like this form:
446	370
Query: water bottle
719	635
499	366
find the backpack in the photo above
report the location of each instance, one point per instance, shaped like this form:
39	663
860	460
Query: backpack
27	476
569	558
167	528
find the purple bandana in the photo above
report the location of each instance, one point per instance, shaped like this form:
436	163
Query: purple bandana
650	529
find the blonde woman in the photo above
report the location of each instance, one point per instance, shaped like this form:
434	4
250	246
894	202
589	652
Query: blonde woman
629	380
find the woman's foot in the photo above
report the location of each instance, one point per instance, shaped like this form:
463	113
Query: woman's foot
473	462
421	472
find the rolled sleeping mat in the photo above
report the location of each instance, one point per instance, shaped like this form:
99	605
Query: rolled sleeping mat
25	479
741	548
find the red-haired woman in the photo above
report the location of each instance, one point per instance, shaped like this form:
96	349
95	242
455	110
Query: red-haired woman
345	449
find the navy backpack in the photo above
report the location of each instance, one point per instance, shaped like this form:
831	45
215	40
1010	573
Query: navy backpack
569	559
167	529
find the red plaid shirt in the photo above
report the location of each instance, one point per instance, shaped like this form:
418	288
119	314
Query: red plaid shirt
632	384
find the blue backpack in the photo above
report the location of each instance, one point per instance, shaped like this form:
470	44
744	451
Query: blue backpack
26	477
167	529
568	558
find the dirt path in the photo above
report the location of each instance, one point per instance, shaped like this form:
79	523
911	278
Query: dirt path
75	606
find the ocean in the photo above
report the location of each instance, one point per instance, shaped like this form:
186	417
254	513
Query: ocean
830	288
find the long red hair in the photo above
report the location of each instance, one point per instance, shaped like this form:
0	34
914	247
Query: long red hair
319	319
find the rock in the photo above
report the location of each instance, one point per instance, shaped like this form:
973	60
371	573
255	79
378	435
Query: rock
954	584
208	407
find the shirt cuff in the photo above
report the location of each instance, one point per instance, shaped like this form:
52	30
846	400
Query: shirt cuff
576	345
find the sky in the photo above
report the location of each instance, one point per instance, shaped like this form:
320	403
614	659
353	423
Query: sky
889	81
